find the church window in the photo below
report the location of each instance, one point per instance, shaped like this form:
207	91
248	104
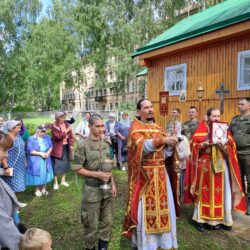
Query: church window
175	79
243	82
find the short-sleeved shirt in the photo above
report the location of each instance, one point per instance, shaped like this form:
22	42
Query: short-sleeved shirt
89	156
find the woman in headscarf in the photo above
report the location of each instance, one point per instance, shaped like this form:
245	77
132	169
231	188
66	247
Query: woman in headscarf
122	140
63	140
39	170
23	131
16	158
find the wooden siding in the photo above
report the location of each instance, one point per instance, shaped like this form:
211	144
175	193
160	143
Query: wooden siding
210	65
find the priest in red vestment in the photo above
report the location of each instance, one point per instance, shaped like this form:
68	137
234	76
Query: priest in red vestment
213	181
150	215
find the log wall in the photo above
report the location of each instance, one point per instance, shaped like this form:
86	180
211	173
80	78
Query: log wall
210	65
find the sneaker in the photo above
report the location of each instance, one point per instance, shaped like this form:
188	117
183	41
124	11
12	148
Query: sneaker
38	193
66	184
22	204
55	186
45	192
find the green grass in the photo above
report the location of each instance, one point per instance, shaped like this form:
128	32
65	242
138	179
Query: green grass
59	213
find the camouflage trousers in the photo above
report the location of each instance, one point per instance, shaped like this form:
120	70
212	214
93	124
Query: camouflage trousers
96	218
244	163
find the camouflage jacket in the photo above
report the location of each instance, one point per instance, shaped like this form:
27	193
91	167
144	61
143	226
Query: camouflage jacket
89	155
240	129
189	127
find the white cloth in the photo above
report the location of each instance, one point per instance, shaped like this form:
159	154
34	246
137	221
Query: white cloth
228	220
183	151
166	240
112	127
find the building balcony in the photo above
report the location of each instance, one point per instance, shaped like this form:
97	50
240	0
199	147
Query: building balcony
101	98
72	101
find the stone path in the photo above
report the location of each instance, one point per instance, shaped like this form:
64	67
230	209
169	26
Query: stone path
241	226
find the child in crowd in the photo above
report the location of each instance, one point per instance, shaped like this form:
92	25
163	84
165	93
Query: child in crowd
36	239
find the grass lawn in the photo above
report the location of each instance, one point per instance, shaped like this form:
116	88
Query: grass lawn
59	213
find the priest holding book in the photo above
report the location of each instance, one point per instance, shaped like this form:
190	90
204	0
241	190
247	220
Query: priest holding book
213	181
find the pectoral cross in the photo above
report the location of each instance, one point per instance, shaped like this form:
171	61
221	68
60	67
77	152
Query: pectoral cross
221	93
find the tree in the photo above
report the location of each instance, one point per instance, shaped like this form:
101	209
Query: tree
15	16
50	55
38	53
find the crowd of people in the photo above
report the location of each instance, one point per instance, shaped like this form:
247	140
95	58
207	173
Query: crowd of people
165	167
36	160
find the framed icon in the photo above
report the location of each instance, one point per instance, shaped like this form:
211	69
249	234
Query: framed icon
183	96
218	132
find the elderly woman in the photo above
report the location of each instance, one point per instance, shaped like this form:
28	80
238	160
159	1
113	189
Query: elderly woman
39	170
16	158
63	140
122	141
9	234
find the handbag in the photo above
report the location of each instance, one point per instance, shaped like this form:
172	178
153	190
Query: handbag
124	149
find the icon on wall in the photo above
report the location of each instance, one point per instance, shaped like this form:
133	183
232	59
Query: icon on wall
183	96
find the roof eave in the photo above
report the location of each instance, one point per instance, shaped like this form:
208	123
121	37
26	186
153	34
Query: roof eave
208	29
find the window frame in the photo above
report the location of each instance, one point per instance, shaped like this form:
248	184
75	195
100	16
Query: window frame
182	66
240	77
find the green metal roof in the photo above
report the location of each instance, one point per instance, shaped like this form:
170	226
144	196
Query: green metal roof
143	72
219	16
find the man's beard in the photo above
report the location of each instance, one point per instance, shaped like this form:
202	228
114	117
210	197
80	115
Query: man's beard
150	119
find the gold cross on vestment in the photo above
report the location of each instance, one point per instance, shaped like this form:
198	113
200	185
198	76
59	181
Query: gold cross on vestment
164	203
150	204
205	188
218	189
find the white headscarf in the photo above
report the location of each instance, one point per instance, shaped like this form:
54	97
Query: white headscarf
9	125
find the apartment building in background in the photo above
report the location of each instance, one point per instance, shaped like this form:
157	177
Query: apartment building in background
88	97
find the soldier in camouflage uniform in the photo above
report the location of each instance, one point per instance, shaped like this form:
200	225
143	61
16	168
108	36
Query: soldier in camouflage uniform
189	126
240	129
96	212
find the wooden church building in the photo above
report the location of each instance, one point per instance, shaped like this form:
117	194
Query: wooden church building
209	50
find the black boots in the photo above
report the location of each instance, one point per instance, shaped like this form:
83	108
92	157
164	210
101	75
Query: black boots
248	206
102	245
200	226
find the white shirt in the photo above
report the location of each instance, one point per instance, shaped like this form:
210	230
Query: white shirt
83	128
